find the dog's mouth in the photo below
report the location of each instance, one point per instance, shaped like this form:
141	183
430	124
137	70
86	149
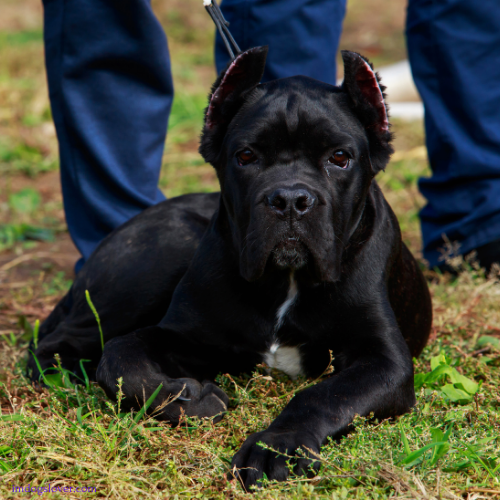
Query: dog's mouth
309	248
290	253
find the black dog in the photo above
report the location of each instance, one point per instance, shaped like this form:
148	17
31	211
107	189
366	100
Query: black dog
298	256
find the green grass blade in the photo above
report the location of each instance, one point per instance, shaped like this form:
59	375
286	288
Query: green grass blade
440	451
13	417
36	328
5	466
418	453
94	310
478	458
149	402
406	445
79	415
42	372
85	376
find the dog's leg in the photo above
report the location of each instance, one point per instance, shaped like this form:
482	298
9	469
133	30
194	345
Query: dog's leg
130	358
377	378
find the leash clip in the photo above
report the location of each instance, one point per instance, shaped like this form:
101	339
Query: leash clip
222	26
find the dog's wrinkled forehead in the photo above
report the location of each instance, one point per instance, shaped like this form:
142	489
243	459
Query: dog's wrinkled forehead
296	113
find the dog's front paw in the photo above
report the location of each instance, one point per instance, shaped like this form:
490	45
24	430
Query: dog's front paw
203	400
192	398
254	460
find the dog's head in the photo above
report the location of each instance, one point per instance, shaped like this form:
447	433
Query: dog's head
295	158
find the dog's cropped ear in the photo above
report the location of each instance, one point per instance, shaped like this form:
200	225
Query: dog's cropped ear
367	96
228	93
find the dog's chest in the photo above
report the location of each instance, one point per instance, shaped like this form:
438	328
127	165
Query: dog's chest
283	357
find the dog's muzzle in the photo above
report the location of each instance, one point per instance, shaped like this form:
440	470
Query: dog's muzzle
290	203
290	253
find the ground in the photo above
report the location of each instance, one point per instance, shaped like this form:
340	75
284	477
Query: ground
70	436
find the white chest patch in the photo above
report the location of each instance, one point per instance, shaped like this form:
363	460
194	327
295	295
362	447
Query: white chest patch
291	297
284	358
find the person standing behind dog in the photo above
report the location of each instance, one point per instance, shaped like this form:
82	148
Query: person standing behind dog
111	92
454	52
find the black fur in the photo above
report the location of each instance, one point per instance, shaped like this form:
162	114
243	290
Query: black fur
192	287
224	101
380	142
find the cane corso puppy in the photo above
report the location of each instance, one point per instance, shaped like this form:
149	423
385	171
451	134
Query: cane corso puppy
298	255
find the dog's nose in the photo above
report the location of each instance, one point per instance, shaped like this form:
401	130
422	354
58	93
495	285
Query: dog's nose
297	201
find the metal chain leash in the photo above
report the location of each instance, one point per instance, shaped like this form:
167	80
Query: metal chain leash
222	26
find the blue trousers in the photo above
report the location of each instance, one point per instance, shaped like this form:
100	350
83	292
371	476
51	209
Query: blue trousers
111	92
454	53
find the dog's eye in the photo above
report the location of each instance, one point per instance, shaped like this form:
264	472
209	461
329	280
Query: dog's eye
339	158
245	157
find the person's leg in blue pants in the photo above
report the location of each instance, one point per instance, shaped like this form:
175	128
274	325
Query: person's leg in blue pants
455	58
302	35
111	91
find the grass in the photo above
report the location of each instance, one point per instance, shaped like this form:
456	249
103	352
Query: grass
71	435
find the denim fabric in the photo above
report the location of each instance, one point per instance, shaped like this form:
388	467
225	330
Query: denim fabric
454	50
302	35
111	91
